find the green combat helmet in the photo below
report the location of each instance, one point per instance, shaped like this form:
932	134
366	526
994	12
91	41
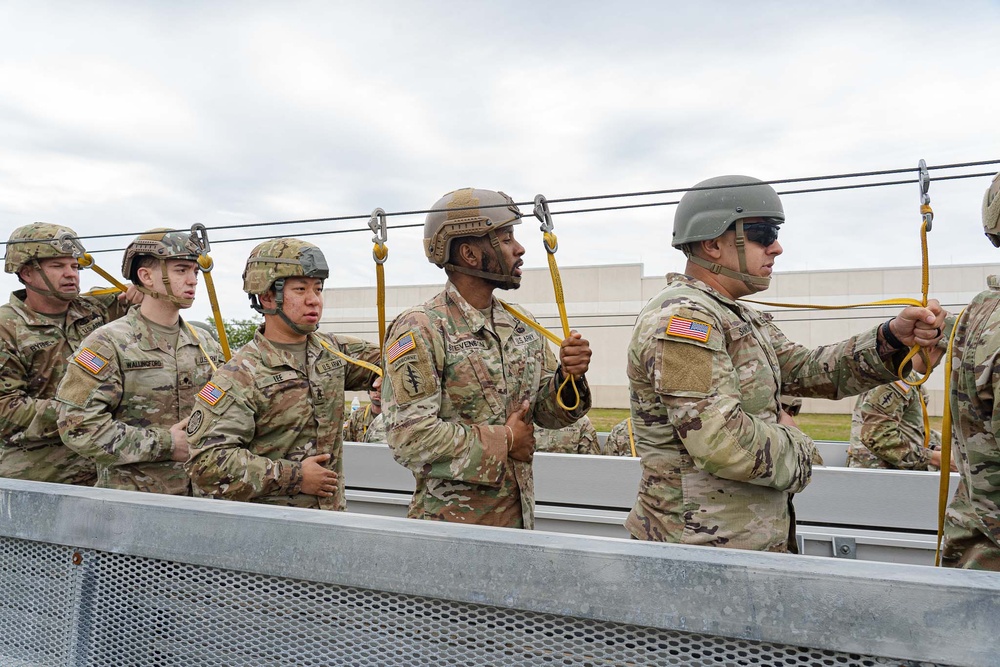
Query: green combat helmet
161	244
476	213
271	262
717	204
991	212
41	240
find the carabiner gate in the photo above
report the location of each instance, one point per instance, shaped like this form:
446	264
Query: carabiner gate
200	236
377	224
924	181
71	244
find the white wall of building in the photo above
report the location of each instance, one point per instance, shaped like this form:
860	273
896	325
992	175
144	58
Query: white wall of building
603	301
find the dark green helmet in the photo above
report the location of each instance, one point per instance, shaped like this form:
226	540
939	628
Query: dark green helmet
707	213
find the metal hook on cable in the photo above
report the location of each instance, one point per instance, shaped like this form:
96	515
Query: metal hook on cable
378	226
545	217
70	243
924	181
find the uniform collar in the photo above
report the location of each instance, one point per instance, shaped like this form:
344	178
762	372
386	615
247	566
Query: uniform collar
704	287
273	357
503	323
76	311
149	339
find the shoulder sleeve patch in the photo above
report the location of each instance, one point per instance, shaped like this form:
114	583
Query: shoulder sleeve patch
405	343
683	327
90	361
683	369
211	393
409	368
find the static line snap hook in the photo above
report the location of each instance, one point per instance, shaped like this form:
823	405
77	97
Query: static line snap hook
69	243
199	234
924	181
377	224
545	216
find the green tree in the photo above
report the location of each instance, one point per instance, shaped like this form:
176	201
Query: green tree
239	332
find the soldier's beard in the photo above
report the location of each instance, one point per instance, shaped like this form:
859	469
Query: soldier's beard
492	265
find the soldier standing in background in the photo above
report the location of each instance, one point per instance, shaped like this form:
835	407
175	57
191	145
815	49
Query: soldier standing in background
268	428
132	383
466	379
579	437
972	524
39	328
620	441
719	455
356	428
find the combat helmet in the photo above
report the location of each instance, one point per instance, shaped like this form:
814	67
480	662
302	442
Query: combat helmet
991	212
470	212
717	204
41	240
161	244
271	262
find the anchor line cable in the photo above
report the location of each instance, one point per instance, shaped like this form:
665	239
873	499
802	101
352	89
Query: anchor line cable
584	198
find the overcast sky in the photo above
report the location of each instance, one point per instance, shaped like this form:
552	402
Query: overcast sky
123	116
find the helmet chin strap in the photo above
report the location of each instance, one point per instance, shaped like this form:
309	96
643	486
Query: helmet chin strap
169	296
51	292
279	300
507	279
754	283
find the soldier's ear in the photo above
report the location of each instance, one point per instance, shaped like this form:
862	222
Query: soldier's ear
468	253
267	299
708	249
145	276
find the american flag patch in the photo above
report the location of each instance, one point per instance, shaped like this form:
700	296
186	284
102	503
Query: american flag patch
685	328
90	360
402	345
211	394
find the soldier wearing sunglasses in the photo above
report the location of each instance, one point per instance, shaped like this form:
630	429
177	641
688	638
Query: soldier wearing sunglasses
720	457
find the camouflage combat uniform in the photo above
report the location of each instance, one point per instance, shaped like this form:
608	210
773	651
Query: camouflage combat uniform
376	430
357	424
618	442
706	374
124	388
263	413
972	524
887	429
453	379
33	351
577	438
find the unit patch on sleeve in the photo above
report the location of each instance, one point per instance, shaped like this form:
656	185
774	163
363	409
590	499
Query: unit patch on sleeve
211	394
685	328
403	344
91	361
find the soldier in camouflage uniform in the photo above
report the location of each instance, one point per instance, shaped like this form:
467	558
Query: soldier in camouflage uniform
972	524
466	379
131	384
39	328
579	437
719	456
376	430
268	427
619	442
356	428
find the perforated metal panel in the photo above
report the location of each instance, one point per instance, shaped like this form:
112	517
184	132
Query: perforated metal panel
115	611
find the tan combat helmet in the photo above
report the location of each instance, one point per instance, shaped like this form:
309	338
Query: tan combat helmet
41	240
470	212
721	203
991	212
161	244
271	262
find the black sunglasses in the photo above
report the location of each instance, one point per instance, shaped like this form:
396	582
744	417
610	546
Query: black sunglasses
763	233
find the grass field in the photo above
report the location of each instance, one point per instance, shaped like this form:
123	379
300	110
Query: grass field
816	426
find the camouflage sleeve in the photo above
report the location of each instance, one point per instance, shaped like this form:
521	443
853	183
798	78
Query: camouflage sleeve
546	410
220	462
833	371
88	397
699	388
359	378
589	443
881	412
111	304
21	415
411	402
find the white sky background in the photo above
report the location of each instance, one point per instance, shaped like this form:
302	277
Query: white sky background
123	116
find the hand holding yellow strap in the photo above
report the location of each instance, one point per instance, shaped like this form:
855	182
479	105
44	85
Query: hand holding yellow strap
551	245
379	253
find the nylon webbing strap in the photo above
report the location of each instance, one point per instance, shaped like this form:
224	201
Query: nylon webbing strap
86	261
206	264
379	253
945	479
631	437
351	360
198	339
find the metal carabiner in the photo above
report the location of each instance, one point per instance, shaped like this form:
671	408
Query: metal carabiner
71	244
200	236
377	224
924	181
543	214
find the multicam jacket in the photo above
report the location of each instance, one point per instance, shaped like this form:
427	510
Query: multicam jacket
706	376
376	430
887	429
33	351
124	388
618	443
357	424
453	378
263	413
972	523
579	437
